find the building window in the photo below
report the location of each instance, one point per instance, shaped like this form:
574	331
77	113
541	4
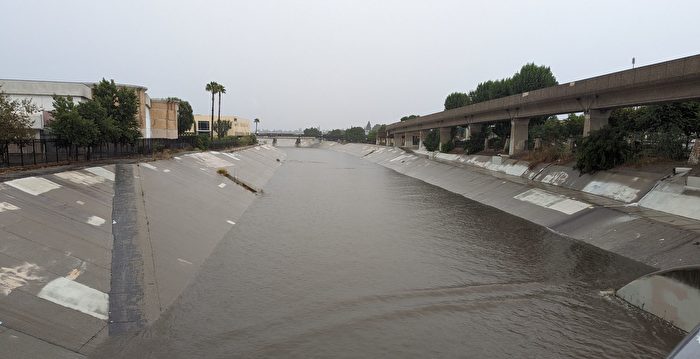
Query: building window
203	126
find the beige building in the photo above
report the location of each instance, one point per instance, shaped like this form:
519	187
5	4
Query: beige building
240	126
157	117
164	118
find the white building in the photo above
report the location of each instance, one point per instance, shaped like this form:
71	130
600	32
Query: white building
157	118
41	94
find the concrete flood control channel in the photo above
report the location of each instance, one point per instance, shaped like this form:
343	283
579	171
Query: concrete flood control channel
78	264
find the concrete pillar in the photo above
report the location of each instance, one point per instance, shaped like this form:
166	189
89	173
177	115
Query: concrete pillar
421	139
518	135
395	140
445	135
473	129
594	120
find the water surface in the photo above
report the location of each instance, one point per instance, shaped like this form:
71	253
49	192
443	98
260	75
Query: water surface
343	258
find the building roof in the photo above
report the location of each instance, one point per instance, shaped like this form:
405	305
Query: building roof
48	88
200	117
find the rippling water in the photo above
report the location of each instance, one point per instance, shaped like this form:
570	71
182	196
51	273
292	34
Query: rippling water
343	258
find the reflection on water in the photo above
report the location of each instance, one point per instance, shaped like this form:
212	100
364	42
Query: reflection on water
343	258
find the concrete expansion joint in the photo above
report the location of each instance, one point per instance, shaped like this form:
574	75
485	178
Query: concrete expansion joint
55	344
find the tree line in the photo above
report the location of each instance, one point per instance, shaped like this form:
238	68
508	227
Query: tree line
353	134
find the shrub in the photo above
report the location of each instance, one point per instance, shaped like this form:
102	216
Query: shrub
203	142
496	143
601	150
475	143
432	140
158	146
447	147
222	171
247	140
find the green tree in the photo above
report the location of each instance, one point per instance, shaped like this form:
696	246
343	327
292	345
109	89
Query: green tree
15	124
212	87
107	130
221	127
122	105
376	131
355	134
532	77
220	90
69	126
334	135
312	132
456	100
432	140
409	117
683	116
185	117
257	121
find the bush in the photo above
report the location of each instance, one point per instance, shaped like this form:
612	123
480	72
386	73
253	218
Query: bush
158	146
247	140
554	152
496	143
475	143
203	142
447	147
601	150
432	140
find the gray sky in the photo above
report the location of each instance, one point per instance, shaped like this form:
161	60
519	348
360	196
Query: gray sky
334	64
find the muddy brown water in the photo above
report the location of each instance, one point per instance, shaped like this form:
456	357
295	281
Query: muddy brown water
343	258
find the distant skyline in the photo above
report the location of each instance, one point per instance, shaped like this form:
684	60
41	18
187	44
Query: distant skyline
334	64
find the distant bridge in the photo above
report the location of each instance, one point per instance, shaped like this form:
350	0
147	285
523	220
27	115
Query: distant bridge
669	81
279	134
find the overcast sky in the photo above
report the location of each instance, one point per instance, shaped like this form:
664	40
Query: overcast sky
334	64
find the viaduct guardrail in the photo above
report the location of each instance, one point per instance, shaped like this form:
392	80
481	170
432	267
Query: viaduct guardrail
669	81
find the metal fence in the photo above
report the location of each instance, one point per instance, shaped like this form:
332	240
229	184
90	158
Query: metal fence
45	151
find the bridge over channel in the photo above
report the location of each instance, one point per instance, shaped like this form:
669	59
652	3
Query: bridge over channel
596	97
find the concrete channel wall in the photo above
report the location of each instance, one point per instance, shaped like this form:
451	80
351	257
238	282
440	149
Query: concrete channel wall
605	210
77	264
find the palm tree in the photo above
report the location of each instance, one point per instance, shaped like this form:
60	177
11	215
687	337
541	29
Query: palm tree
221	89
212	87
257	120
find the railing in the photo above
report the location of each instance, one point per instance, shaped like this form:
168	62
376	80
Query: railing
45	151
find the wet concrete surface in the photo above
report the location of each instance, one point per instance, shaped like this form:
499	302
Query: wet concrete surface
58	281
55	229
341	257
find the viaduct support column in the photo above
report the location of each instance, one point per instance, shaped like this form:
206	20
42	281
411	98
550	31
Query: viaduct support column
595	120
445	136
421	138
473	129
518	135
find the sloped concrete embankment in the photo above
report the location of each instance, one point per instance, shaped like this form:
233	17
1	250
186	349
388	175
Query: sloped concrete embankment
55	256
603	210
184	209
59	285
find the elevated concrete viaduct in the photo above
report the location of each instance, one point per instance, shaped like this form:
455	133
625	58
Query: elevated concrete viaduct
669	81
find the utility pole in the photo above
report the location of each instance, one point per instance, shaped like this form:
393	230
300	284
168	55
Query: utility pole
633	62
